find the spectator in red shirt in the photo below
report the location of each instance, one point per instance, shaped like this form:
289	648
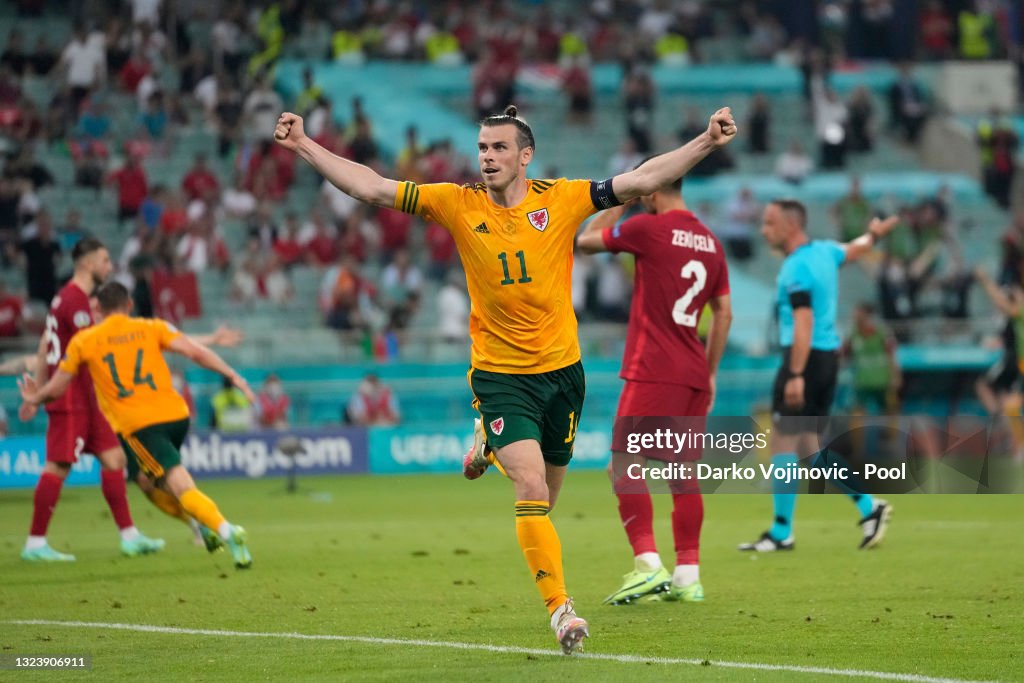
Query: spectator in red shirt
132	188
373	404
174	218
134	70
576	83
441	247
266	182
351	242
322	247
545	36
937	31
272	404
394	230
332	138
12	310
288	248
439	162
268	159
200	179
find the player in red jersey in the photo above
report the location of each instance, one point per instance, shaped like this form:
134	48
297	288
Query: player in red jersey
669	372
76	425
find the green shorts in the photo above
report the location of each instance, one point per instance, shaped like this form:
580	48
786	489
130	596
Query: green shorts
154	449
545	408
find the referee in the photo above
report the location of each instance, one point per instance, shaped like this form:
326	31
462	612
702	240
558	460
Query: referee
807	299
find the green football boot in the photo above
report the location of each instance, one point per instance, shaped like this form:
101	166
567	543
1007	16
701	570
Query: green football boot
637	584
691	593
239	552
141	545
45	554
211	540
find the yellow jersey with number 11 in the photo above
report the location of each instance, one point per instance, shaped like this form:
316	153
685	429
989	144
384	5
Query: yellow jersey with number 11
518	264
125	358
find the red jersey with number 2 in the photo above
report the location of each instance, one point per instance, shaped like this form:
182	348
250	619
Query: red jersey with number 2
680	265
69	313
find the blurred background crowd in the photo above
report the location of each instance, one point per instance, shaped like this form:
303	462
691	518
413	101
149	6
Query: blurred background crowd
148	123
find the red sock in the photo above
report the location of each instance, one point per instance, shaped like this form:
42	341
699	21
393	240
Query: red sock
687	518
44	501
637	515
114	490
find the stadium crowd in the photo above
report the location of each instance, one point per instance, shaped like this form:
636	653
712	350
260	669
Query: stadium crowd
136	77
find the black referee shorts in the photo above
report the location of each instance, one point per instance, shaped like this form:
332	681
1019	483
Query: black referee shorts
820	375
1004	374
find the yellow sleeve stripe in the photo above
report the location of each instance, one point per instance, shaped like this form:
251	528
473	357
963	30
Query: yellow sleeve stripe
410	197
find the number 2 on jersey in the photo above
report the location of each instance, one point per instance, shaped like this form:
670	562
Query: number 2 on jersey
699	273
123	392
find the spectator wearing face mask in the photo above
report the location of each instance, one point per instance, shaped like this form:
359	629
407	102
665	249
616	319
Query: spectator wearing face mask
272	404
373	404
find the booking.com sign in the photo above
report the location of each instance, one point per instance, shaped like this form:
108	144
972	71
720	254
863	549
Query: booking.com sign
249	455
259	454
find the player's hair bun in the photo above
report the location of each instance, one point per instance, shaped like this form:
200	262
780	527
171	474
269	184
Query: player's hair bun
510	116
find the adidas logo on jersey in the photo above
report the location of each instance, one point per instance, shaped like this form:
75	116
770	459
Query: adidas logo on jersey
482	228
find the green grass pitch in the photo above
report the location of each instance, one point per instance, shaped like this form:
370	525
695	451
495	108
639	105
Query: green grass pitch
434	558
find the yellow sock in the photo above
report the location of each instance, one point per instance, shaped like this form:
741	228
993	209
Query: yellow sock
542	549
167	504
197	504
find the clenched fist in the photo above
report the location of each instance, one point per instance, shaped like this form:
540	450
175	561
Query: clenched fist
722	127
288	132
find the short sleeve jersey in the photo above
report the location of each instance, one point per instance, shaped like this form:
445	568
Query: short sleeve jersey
680	266
518	264
133	383
812	270
69	314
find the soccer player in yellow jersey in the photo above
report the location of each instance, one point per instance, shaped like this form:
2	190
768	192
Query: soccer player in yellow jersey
515	237
124	356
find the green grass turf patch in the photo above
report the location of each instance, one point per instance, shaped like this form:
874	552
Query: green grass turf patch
435	558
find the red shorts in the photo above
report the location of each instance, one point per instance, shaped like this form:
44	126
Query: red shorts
649	407
73	433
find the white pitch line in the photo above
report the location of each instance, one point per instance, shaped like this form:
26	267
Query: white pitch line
503	649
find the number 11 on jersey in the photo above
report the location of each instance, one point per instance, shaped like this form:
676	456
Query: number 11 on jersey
503	257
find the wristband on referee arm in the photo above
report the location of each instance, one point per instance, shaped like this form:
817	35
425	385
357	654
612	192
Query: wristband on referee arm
792	374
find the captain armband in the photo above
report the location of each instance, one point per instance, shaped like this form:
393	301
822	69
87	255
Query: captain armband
602	196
